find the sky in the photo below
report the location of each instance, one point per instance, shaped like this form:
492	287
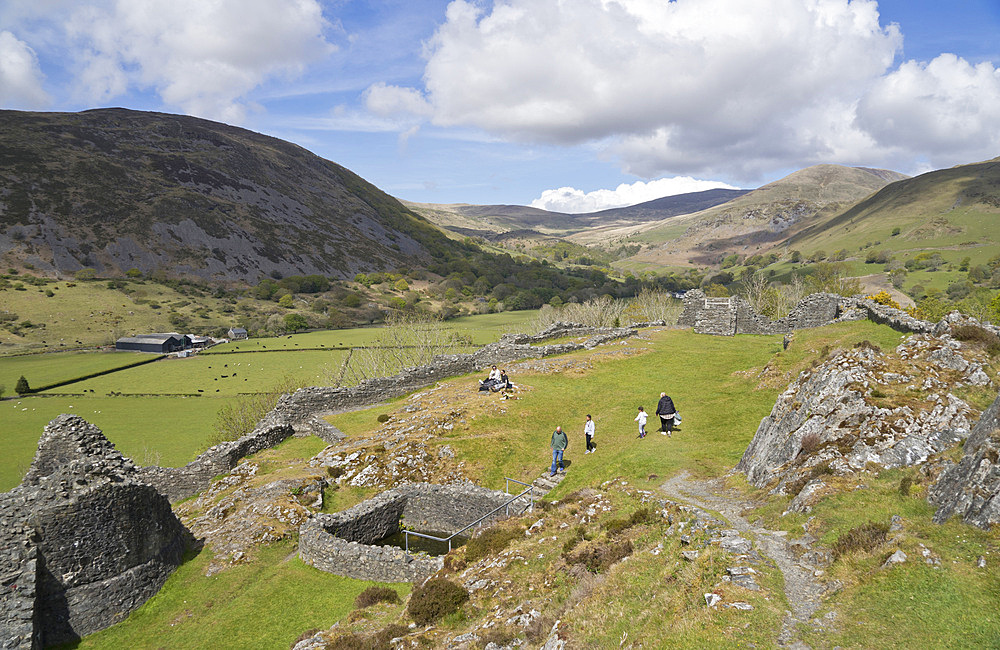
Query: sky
567	105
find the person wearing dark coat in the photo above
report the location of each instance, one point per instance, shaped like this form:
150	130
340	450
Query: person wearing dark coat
665	409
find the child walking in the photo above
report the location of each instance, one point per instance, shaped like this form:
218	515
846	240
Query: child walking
641	419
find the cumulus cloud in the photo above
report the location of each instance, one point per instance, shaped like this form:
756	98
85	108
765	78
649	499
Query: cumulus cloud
705	87
573	201
947	106
20	76
203	57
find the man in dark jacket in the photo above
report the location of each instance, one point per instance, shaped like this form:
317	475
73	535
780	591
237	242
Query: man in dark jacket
665	409
559	444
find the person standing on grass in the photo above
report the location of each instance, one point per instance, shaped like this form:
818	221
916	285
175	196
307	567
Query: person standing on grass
641	419
588	431
559	444
665	409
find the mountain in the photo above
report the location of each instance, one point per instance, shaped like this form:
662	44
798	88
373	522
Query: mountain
488	220
755	221
957	207
116	189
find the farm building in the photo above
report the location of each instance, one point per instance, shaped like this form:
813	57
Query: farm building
201	341
162	343
237	333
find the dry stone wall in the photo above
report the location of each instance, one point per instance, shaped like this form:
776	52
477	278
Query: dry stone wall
59	584
734	315
341	543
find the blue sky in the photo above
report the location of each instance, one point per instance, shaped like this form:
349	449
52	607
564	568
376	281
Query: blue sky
572	105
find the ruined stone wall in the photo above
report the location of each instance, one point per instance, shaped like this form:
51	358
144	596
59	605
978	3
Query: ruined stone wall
341	543
83	542
182	482
734	315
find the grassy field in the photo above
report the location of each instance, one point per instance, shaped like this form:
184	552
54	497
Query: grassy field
89	313
687	366
223	375
267	604
483	329
168	431
44	369
159	424
723	386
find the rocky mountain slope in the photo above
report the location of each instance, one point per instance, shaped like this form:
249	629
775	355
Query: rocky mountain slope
116	189
755	221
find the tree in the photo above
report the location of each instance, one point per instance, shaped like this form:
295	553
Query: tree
401	285
287	301
133	273
295	322
22	388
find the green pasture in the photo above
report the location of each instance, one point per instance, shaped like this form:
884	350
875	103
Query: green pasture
266	604
483	328
224	375
721	406
168	431
88	314
49	368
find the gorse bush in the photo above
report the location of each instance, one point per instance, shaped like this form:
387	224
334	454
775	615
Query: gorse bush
491	541
977	336
598	558
435	599
374	595
640	516
866	537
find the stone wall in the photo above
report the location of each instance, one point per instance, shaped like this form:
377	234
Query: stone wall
83	541
182	482
734	315
341	543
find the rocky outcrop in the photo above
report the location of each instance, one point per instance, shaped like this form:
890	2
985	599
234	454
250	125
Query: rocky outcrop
863	406
971	489
84	540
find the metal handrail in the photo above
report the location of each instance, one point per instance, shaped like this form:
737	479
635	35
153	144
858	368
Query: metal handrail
407	533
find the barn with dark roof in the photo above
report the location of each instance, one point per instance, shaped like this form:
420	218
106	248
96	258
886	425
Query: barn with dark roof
161	342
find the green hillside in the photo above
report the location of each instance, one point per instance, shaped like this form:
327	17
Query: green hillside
956	209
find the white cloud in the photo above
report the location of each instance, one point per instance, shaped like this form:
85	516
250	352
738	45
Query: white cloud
203	57
20	76
947	106
574	201
706	87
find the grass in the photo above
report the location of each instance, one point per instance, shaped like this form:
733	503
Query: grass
44	369
686	365
168	431
226	375
87	314
266	604
484	328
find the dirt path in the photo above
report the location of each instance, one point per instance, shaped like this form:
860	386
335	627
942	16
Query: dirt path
802	590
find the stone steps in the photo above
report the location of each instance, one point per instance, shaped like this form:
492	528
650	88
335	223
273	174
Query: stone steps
545	483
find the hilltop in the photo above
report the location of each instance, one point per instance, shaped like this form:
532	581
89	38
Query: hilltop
948	207
760	219
116	189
